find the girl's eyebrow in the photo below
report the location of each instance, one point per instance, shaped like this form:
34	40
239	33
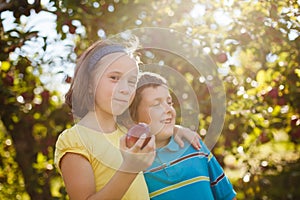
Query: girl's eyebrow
118	72
115	72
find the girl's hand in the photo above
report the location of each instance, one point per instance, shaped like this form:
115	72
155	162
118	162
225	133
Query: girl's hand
191	136
136	158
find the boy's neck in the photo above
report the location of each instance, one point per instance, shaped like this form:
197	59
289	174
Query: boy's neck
162	143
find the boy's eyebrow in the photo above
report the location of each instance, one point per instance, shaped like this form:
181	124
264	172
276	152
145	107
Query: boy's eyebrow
159	98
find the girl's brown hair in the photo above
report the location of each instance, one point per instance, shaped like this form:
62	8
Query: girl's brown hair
79	97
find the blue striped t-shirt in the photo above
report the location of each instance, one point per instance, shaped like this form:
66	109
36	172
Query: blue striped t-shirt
187	173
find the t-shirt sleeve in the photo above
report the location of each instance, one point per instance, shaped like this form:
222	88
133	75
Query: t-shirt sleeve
220	184
68	142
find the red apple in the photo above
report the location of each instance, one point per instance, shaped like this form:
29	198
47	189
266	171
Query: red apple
294	122
72	29
28	96
68	79
45	95
273	93
135	132
281	101
221	58
9	80
264	138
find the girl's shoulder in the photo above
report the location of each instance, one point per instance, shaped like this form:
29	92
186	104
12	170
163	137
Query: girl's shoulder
68	136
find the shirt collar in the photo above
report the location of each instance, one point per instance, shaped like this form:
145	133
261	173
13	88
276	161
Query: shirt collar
171	146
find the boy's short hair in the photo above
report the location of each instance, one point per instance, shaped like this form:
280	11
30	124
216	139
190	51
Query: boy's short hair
145	80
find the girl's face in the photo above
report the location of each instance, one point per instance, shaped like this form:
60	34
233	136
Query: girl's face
115	87
156	109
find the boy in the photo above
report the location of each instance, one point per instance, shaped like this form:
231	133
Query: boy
176	173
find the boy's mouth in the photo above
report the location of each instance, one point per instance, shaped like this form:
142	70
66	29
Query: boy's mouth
166	121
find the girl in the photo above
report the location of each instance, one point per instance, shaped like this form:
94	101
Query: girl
92	156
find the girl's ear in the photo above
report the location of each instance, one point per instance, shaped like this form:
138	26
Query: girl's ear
90	97
90	89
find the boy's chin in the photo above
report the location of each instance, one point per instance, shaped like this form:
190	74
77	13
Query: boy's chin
167	131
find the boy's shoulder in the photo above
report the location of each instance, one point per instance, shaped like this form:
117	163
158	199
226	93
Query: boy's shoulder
203	147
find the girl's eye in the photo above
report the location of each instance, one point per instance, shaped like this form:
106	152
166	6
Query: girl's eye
115	78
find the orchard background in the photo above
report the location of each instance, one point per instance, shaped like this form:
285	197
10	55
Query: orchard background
255	44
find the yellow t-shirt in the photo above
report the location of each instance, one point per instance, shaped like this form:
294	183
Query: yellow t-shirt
102	151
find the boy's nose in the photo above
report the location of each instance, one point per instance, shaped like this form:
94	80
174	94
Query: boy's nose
167	108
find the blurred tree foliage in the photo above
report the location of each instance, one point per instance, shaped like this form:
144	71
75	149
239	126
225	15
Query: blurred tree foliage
254	43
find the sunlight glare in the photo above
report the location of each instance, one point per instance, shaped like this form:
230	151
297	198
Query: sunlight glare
246	178
228	3
222	18
30	2
198	11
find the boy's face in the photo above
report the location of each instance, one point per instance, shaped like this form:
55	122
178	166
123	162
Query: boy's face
156	110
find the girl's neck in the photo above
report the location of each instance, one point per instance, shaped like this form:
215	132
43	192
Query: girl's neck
97	122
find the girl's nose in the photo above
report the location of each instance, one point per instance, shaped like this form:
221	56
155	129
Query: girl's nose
124	88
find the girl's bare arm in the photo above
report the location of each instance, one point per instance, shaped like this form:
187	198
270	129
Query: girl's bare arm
79	177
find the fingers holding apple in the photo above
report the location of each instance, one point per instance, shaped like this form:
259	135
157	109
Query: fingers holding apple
139	132
135	158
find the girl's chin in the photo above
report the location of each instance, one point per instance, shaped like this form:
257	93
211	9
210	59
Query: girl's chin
117	112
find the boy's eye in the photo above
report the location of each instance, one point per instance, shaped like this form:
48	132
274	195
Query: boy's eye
170	103
156	104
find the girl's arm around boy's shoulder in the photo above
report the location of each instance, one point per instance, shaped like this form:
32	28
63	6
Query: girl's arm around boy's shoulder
181	133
